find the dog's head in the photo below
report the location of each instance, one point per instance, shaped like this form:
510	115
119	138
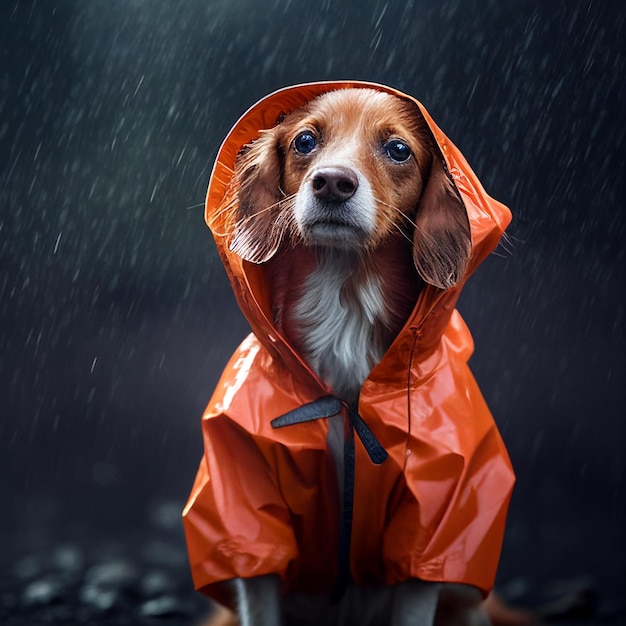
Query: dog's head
349	170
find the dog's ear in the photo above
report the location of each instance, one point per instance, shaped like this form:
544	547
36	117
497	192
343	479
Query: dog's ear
442	240
258	227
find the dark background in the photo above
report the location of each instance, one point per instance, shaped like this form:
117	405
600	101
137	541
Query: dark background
116	318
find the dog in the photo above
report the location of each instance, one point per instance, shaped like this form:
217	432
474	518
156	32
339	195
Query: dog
348	207
351	168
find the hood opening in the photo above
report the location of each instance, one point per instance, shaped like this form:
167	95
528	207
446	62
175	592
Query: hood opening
433	306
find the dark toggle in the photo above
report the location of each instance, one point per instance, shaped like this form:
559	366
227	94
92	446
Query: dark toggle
376	452
328	406
318	409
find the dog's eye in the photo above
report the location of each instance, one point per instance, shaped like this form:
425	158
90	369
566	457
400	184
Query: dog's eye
397	151
305	143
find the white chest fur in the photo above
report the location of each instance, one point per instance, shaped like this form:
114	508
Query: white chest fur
337	315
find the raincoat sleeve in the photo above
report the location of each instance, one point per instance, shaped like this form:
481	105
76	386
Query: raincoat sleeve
236	521
452	508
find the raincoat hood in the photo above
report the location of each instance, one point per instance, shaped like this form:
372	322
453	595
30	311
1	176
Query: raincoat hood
266	499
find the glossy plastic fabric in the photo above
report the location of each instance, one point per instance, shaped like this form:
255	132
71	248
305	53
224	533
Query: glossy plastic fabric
266	500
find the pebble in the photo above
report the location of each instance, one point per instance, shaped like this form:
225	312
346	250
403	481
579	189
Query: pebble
95	580
156	582
166	606
114	575
99	599
68	558
42	591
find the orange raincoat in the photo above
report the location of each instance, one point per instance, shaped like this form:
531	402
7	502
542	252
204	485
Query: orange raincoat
266	499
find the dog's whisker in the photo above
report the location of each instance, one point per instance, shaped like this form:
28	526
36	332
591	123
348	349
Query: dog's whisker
217	216
397	210
404	216
214	219
506	243
396	226
223	209
282	203
257	240
244	222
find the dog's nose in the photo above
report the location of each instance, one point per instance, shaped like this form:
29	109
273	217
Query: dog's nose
334	184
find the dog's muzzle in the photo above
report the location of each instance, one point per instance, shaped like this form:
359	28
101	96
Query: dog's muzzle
335	207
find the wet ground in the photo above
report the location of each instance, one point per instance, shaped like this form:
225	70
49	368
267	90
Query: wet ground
57	570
